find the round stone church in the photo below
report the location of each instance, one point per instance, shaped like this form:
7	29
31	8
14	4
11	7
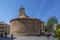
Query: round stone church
24	25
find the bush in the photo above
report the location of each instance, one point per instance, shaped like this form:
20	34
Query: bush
55	34
58	32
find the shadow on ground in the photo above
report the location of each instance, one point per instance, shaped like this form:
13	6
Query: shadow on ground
7	38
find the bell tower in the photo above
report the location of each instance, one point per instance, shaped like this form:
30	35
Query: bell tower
22	13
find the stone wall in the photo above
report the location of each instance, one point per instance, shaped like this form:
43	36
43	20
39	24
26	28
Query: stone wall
25	27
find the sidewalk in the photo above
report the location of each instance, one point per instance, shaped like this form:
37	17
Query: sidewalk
28	38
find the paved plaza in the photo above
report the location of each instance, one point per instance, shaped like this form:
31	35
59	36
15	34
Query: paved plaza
28	38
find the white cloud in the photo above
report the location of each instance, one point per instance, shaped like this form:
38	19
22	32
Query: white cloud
49	13
40	9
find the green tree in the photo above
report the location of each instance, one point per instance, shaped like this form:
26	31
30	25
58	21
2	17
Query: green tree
58	26
51	22
47	28
58	33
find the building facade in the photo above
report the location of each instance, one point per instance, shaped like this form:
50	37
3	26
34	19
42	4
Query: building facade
24	25
4	28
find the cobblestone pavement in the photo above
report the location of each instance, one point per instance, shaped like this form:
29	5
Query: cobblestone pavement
28	38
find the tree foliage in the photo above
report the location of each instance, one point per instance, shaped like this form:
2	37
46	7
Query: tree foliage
58	26
58	32
51	22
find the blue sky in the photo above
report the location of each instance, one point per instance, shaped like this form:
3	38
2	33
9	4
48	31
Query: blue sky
41	9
